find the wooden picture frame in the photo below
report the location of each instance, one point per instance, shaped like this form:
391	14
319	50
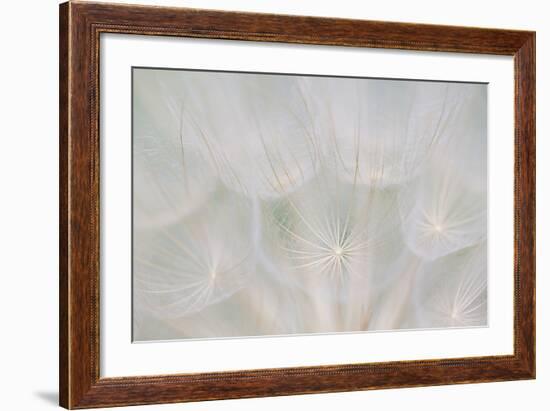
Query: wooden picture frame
80	27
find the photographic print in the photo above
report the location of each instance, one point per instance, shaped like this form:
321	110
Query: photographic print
281	204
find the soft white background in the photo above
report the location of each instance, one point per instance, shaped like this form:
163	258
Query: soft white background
28	217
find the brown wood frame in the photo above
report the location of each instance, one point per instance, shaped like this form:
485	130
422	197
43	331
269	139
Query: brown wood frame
81	24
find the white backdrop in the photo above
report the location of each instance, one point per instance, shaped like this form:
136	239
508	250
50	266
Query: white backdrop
28	218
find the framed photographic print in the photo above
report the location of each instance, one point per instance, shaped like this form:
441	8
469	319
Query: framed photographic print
258	205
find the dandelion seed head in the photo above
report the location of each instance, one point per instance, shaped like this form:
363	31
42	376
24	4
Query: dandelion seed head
455	292
184	268
440	215
338	251
335	190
